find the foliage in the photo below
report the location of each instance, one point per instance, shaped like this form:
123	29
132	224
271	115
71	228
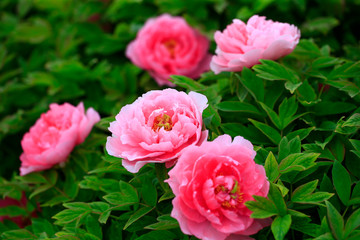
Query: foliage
302	113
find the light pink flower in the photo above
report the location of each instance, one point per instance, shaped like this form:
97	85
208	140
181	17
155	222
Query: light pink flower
243	45
157	127
167	46
54	136
211	183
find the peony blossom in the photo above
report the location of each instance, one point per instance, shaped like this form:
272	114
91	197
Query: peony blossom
157	127
211	183
167	46
22	221
54	136
243	45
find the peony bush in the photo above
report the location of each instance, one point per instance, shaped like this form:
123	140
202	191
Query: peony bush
256	138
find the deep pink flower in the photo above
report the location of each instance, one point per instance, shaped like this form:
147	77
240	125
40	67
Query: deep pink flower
23	220
243	45
54	136
157	127
167	46
211	183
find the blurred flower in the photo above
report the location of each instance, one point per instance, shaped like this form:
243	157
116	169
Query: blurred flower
157	127
54	136
23	220
167	46
211	183
243	45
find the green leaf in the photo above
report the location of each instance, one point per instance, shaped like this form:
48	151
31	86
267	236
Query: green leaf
99	184
356	191
320	24
325	236
121	198
261	207
342	182
292	86
93	227
40	189
286	148
284	190
12	211
304	194
302	224
352	223
252	83
325	108
166	196
276	196
270	132
306	49
297	213
158	235
353	121
305	189
347	70
77	205
347	86
101	208
272	70
149	193
271	167
186	82
211	114
280	226
162	175
273	116
165	222
23	7
35	31
33	178
40	225
19	234
336	221
104	216
298	162
337	148
231	106
127	195
306	94
323	62
355	143
286	111
302	133
137	215
55	200
354	236
69	215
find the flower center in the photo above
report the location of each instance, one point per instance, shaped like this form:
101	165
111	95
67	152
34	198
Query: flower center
170	46
162	121
229	199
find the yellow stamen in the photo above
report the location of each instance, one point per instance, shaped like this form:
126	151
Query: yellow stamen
162	121
170	46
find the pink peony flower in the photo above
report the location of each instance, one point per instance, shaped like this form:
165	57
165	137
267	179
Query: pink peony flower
157	127
167	46
54	136
243	45
21	221
211	183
